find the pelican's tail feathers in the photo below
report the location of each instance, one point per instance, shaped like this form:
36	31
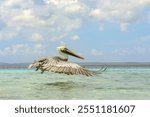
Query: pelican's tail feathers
101	70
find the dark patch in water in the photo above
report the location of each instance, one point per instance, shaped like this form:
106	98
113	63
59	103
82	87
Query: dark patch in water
62	85
117	80
59	86
119	88
99	88
128	88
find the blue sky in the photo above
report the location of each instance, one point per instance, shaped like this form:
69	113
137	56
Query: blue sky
99	30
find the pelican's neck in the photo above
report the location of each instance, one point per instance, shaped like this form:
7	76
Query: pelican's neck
64	56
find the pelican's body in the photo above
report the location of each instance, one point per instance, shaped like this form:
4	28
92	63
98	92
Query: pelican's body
60	64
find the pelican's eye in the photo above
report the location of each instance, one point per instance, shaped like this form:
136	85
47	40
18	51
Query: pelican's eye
65	49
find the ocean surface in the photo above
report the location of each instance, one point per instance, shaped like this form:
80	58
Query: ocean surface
116	83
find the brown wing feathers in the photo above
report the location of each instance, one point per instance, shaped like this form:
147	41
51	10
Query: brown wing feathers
59	66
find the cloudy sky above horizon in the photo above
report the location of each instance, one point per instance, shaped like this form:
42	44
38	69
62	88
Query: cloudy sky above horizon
99	30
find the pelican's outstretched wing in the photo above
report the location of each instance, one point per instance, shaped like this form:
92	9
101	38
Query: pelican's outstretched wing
57	65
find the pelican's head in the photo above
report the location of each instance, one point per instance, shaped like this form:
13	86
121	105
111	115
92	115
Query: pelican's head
64	51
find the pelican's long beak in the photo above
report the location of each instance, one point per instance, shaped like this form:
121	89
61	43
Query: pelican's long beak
69	52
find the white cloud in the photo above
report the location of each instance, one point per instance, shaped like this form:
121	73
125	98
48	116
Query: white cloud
36	37
68	6
61	3
95	52
4	35
52	19
74	37
14	49
123	12
71	24
121	52
58	36
38	49
27	18
98	14
123	27
73	8
11	3
22	49
61	26
136	50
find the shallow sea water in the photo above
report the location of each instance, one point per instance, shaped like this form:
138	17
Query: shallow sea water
113	84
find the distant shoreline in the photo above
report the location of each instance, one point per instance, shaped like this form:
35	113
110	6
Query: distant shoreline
116	64
13	65
86	64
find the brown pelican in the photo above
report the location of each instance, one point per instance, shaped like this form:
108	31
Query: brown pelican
60	64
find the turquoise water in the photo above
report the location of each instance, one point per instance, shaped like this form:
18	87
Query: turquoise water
114	83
